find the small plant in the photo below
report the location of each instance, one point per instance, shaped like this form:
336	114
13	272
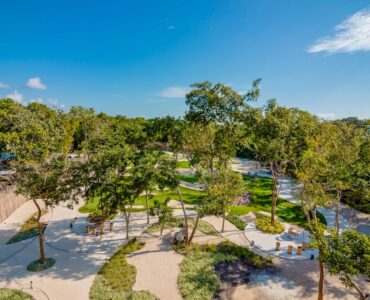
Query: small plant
263	223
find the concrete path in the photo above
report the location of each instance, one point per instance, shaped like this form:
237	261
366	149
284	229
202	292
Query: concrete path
158	266
231	233
78	257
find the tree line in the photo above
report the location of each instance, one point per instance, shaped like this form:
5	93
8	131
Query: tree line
122	158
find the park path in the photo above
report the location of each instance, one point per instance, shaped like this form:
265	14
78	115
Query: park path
78	256
158	266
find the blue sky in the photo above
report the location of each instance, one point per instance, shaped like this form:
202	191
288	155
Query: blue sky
137	58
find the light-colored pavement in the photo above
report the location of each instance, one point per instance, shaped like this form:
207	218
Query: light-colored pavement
158	266
78	257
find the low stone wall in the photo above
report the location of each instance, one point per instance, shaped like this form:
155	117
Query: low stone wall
9	202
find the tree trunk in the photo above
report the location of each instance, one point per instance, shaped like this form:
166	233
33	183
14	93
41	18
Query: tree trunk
274	195
195	228
320	295
127	220
185	216
337	210
147	205
362	294
41	232
162	228
223	221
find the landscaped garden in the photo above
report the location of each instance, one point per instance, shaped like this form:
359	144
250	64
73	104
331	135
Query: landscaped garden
117	277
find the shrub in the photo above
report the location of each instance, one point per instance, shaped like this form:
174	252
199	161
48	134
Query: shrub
263	223
6	294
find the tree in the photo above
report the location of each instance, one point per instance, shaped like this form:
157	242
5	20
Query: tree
222	192
146	172
271	144
46	181
163	212
348	255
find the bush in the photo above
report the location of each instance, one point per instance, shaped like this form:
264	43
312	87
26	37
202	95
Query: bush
264	224
6	294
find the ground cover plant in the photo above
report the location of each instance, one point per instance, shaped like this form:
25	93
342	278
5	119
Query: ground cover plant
36	265
6	294
198	279
236	221
28	230
188	178
263	223
117	277
261	188
183	164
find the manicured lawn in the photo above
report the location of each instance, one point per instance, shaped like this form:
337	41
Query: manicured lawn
188	178
261	188
189	196
183	164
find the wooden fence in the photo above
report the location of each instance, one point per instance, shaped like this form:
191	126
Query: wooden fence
9	202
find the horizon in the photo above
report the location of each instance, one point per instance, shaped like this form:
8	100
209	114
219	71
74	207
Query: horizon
140	62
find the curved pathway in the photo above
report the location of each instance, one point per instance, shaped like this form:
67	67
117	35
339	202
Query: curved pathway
78	257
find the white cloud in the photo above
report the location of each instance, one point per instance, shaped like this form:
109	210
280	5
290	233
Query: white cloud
171	27
326	116
174	92
35	83
17	97
352	35
53	102
4	85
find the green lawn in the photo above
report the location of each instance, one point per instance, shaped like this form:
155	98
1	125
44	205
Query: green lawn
189	196
261	188
188	178
183	164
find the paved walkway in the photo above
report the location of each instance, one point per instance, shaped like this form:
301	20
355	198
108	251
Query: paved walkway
158	266
78	256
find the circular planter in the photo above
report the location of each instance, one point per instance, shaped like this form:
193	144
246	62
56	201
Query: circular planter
35	266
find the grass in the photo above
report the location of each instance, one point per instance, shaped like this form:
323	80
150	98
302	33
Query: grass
6	294
36	266
28	230
198	279
117	277
261	188
234	219
190	197
188	178
204	227
183	164
119	274
263	223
